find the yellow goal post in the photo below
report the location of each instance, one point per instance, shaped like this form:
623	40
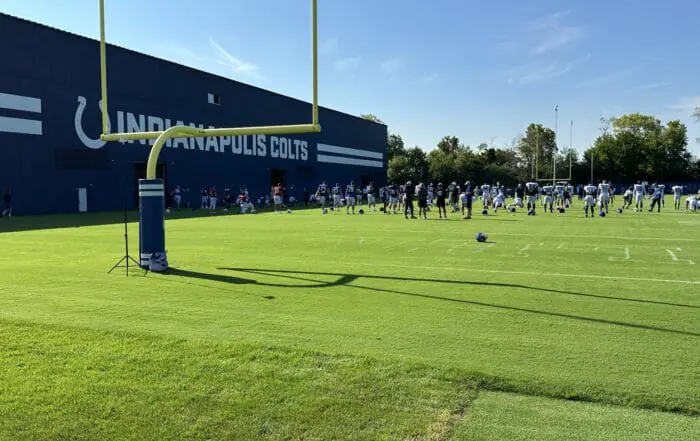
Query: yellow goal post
191	132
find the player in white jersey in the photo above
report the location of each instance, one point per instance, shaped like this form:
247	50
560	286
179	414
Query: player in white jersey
559	195
548	191
627	198
677	191
350	197
662	189
486	195
604	195
639	193
691	203
531	189
589	191
499	201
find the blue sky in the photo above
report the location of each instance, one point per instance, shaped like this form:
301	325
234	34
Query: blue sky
475	69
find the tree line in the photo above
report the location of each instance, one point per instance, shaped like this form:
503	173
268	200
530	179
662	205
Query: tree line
630	148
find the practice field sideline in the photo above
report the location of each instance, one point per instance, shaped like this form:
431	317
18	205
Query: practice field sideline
302	325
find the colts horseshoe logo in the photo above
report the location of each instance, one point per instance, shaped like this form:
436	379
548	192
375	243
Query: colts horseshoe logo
89	142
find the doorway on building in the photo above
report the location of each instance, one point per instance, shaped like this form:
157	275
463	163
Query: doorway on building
140	173
278	176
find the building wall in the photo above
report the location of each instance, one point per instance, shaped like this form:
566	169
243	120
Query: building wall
50	126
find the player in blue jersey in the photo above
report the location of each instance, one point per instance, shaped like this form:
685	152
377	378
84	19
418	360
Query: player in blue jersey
322	194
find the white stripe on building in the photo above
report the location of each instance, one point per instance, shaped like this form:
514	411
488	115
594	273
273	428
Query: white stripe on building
349	161
20	125
21	103
327	148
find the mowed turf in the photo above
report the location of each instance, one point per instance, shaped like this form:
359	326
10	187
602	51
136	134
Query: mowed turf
365	327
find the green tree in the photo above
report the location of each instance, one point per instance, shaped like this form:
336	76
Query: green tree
417	164
397	169
450	144
371	117
394	146
443	166
642	148
535	150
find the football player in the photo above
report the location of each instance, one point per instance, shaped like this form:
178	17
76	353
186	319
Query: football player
627	198
440	196
531	190
350	197
468	199
662	188
518	200
393	197
567	196
548	191
499	201
431	195
422	194
371	198
604	195
321	194
337	196
453	196
559	195
656	198
677	191
486	196
691	203
408	200
589	191
639	194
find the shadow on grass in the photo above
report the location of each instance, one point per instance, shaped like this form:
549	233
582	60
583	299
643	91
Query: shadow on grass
78	220
348	279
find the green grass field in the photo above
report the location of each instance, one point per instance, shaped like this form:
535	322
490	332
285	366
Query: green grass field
373	327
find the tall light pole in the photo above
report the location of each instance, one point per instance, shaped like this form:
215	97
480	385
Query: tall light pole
571	146
556	144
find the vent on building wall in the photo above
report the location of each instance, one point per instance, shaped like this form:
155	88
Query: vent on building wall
214	99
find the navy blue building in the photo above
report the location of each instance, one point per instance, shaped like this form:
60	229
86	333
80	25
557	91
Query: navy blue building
52	159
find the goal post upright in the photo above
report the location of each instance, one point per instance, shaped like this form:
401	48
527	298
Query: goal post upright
152	189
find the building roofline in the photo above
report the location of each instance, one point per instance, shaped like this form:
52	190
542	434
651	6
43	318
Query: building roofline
13	17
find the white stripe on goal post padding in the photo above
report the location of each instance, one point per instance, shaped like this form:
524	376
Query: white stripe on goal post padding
151	187
151	194
327	148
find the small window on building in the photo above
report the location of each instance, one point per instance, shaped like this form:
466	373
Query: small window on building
214	99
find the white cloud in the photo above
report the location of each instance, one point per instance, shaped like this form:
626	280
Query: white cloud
536	71
609	77
329	47
545	34
236	65
345	64
685	104
390	66
652	86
